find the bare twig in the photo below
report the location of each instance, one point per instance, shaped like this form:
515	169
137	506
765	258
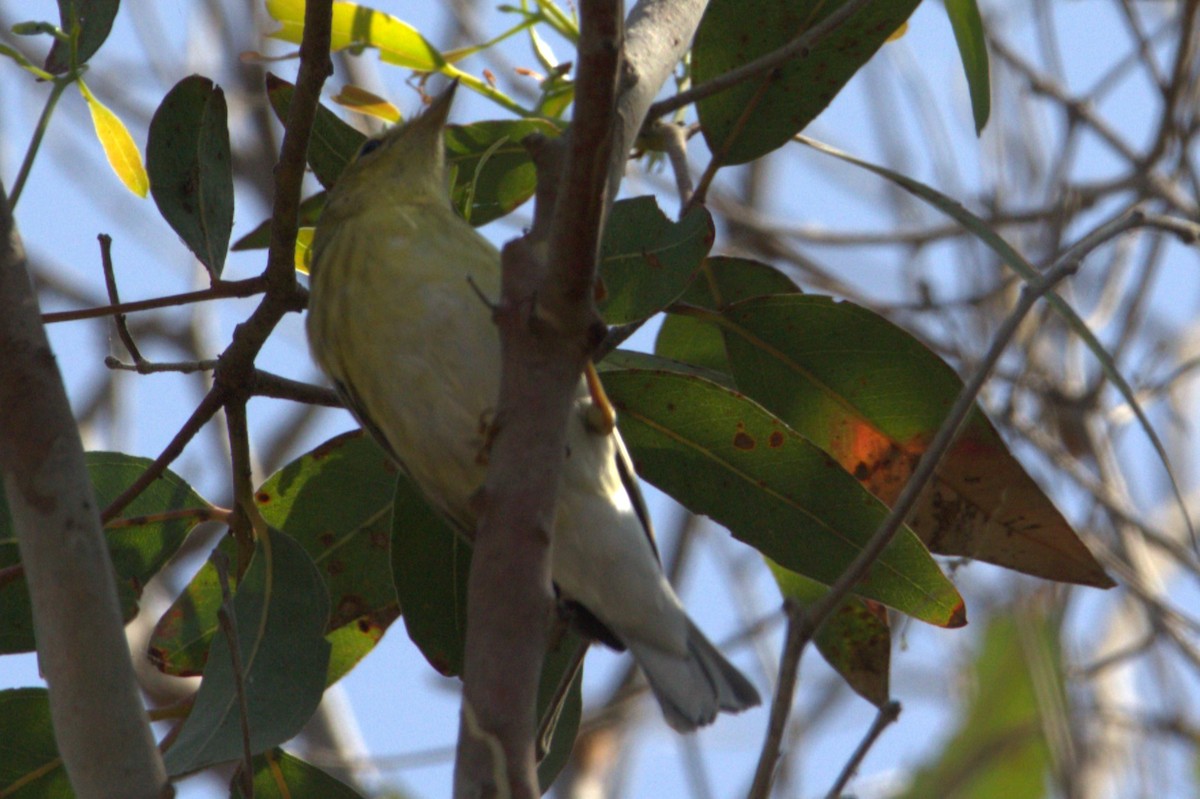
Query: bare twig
227	619
207	408
219	291
886	716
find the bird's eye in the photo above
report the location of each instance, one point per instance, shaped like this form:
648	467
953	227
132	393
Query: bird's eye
370	146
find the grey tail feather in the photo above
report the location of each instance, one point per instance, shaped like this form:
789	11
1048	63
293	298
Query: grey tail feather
692	690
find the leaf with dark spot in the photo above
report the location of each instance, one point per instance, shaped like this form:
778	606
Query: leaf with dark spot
190	168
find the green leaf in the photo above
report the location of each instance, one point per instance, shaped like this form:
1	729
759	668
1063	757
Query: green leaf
191	171
95	18
336	503
721	280
761	114
646	259
281	610
997	244
721	455
630	359
972	49
278	775
873	397
333	143
430	564
32	768
1000	750
184	633
119	148
491	171
557	667
855	640
140	541
260	237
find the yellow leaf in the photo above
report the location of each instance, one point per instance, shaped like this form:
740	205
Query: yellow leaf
358	26
304	237
364	102
122	153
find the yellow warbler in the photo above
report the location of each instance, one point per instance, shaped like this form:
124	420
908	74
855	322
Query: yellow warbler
396	322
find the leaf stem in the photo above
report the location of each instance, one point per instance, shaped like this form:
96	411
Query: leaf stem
39	132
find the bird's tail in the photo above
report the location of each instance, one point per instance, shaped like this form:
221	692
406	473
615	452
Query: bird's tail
692	690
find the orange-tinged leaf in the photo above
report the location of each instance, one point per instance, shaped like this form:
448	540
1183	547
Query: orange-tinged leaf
358	26
873	397
364	102
119	147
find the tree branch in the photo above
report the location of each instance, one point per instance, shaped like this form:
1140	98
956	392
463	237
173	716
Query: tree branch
548	329
77	620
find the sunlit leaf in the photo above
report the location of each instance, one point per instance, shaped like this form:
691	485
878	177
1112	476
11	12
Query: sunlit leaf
1022	267
356	26
723	456
335	502
873	397
278	775
304	238
119	148
364	102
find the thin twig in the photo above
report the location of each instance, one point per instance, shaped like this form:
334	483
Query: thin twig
144	367
267	384
207	408
794	641
219	291
227	619
886	716
110	282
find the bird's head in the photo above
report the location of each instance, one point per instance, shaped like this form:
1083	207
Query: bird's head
406	161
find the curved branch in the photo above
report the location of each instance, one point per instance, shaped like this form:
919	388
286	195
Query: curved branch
100	726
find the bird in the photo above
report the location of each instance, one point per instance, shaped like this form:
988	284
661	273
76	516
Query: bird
396	321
